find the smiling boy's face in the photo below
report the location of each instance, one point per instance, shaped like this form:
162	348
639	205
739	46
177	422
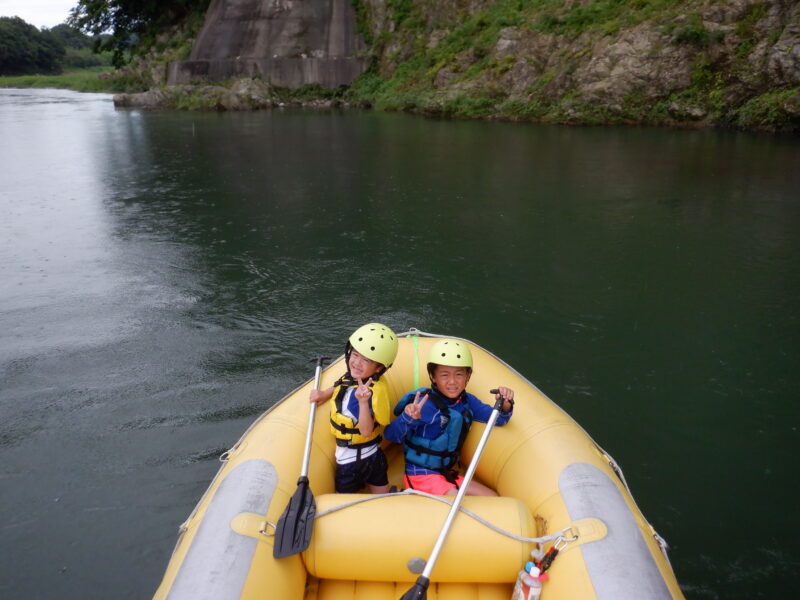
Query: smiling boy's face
450	381
362	367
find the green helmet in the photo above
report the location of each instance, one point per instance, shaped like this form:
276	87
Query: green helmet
377	342
451	353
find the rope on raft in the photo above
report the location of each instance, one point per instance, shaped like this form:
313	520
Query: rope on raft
540	541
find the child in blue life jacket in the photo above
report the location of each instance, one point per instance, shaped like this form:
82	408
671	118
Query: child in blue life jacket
360	408
432	424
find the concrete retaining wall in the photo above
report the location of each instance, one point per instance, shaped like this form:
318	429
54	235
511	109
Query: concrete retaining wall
288	43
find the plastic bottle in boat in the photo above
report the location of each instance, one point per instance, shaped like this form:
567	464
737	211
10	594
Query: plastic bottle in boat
526	587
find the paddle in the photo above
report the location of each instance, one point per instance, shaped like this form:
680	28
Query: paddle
293	531
419	591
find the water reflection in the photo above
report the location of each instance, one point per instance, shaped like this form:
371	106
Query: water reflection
169	273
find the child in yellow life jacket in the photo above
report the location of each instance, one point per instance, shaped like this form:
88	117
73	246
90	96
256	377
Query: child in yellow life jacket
360	409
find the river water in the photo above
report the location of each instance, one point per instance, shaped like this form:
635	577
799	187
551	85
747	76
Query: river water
164	277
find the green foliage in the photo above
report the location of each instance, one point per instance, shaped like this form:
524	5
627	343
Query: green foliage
24	49
309	92
363	90
604	16
129	20
745	47
516	109
404	13
694	32
79	49
95	79
769	111
71	37
84	58
745	29
197	101
468	106
362	20
746	25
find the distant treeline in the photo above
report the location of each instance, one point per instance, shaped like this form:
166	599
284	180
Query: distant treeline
26	50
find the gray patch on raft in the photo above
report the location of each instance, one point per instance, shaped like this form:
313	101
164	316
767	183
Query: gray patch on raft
620	565
217	563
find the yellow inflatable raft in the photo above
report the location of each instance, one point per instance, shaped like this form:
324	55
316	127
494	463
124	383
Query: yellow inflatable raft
556	486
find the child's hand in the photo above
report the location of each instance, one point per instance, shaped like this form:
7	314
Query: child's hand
362	391
320	396
414	409
507	394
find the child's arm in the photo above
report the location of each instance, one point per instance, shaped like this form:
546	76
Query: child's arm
320	396
482	411
366	422
407	421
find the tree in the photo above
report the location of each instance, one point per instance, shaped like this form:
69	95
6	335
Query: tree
25	50
129	20
71	37
79	54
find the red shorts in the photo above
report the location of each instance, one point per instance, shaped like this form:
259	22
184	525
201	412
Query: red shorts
433	484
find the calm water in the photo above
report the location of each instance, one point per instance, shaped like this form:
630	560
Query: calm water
164	277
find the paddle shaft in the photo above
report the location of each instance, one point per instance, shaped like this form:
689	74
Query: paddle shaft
311	413
294	527
462	490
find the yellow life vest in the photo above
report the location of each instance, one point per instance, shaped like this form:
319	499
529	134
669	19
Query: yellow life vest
345	429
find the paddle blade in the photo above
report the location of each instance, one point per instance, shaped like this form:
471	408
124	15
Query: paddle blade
293	531
418	591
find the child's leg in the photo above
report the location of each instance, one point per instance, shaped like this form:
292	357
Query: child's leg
475	489
346	479
376	473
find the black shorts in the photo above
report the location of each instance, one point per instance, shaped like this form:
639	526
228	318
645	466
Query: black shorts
352	477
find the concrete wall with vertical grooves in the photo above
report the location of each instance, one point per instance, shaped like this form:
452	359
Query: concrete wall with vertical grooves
288	43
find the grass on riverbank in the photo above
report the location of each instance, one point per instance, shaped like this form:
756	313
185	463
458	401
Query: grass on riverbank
91	79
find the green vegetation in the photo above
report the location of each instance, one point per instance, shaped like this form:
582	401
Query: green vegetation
447	61
693	32
25	49
745	30
768	110
131	22
601	16
464	53
92	79
513	59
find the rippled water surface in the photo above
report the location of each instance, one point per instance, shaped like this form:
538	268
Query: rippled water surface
164	277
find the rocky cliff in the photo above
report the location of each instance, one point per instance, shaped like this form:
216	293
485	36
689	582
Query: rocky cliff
729	62
676	62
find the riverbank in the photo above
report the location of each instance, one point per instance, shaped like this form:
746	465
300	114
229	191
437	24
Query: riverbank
777	111
730	63
91	79
685	63
676	63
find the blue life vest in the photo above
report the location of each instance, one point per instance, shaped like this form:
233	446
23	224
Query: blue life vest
440	453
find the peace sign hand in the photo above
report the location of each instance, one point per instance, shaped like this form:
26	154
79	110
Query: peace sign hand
362	391
414	409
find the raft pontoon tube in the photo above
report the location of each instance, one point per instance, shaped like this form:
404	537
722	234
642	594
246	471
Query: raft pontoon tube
556	486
